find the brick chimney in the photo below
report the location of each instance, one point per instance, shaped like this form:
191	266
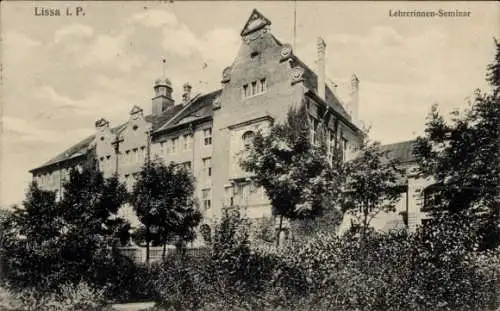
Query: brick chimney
186	92
163	96
321	50
354	98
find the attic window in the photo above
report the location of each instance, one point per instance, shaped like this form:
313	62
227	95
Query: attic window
254	88
135	127
102	138
254	54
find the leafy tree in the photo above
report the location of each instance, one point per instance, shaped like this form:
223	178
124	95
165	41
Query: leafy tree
163	198
66	240
295	173
371	185
30	241
462	155
91	203
40	218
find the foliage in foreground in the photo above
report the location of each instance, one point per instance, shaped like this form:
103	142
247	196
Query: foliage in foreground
428	270
462	156
80	297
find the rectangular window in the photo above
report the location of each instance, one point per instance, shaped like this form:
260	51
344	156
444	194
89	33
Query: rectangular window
245	92
206	198
207	136
344	149
187	141
229	196
136	155
263	86
254	88
207	166
314	130
174	144
162	148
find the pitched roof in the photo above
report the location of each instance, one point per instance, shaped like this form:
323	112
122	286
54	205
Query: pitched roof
401	151
72	152
82	147
158	121
199	108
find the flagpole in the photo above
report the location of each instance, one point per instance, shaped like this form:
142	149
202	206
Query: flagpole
294	22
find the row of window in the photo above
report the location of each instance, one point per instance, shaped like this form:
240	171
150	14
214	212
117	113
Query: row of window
254	88
105	163
242	193
330	140
184	142
55	176
135	155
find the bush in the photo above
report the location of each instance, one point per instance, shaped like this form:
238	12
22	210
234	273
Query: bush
436	268
80	297
399	271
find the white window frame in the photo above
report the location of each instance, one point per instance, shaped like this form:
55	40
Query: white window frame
206	197
207	136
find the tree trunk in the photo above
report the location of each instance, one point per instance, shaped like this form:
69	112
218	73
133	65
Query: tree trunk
280	228
164	249
147	244
364	229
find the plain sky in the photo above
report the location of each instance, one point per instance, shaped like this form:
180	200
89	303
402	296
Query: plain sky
61	73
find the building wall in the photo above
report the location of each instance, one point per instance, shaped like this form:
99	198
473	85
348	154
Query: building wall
198	154
256	60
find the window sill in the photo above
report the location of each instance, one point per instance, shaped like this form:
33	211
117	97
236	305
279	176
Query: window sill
252	96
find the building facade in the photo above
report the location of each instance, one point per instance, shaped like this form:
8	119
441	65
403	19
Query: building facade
208	132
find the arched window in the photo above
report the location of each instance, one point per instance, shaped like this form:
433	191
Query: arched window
248	139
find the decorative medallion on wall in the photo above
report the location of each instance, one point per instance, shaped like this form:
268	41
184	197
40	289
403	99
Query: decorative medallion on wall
297	74
286	52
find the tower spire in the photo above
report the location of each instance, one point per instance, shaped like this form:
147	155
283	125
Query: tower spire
163	67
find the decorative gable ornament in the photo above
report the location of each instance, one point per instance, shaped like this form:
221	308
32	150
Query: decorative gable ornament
297	75
136	113
226	74
286	52
216	103
101	123
255	22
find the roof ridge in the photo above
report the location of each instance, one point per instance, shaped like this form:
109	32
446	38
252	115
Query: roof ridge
194	100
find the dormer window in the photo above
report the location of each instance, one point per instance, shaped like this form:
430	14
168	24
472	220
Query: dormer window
254	88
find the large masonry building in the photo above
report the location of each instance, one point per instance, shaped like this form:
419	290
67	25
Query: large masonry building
208	132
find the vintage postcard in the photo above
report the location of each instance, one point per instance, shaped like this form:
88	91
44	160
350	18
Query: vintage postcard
249	155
